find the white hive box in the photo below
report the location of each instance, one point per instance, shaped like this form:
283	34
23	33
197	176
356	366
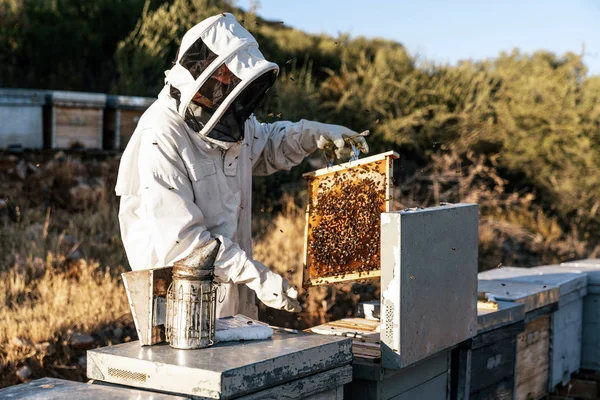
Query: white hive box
566	333
21	118
590	351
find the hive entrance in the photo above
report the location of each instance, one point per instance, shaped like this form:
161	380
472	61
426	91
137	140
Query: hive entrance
342	238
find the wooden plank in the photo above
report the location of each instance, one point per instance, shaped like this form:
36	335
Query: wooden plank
67	142
493	363
579	389
533	359
566	342
502	390
496	335
433	389
313	385
460	372
352	253
351	164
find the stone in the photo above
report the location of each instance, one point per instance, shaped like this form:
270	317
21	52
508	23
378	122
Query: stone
24	373
81	341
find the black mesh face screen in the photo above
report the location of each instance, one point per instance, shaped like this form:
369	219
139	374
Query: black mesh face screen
230	125
217	88
197	58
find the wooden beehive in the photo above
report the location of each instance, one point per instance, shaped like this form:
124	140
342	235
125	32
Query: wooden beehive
566	321
494	351
121	118
75	120
343	220
428	379
533	345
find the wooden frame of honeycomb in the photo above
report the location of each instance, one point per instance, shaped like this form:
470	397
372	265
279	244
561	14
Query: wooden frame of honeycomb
343	220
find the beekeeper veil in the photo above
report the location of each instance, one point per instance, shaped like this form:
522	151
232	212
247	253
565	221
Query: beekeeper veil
219	78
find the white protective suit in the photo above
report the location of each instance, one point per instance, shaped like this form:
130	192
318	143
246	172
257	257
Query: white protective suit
186	174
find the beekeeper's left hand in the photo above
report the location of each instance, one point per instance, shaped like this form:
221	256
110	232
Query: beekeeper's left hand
338	140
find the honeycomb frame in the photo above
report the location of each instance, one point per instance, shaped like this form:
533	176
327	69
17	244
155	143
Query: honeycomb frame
332	194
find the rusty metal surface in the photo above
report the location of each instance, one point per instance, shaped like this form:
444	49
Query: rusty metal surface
225	370
342	237
58	389
147	294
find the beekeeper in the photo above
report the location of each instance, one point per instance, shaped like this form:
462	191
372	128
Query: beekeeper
186	174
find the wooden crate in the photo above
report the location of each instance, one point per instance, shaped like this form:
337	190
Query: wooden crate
533	345
494	352
533	359
77	126
337	195
74	120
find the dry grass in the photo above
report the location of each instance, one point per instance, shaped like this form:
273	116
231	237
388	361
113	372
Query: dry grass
52	302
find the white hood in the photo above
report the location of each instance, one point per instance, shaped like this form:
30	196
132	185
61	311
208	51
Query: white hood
216	44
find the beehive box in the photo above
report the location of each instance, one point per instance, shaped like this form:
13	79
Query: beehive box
345	202
21	116
494	351
121	117
590	350
74	120
533	345
429	379
566	321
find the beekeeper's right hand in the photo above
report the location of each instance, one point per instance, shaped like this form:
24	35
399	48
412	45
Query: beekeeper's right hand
272	289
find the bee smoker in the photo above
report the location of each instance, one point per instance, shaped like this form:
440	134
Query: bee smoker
191	300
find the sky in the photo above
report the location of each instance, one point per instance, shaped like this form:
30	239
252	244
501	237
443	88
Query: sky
453	30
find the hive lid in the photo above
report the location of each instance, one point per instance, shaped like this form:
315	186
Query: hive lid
77	99
223	371
22	97
51	388
532	295
565	280
506	314
591	266
130	102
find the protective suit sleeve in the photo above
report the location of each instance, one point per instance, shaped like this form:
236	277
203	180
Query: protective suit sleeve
284	144
280	145
178	227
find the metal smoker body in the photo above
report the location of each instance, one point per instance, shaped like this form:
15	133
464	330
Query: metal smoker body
191	300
